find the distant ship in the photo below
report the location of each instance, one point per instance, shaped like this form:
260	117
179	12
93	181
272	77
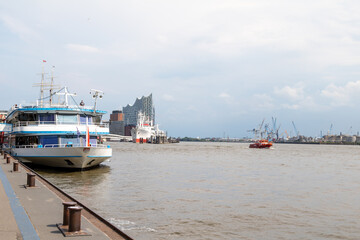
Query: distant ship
58	134
263	143
145	131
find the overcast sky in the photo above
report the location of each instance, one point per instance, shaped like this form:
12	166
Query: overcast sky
215	67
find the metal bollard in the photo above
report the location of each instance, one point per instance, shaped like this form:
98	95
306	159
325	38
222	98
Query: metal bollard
2	152
5	155
7	159
75	219
15	166
66	212
31	180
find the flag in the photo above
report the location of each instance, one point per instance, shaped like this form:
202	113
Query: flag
44	60
87	136
77	132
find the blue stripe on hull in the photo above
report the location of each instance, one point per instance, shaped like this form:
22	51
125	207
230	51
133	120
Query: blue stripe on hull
48	156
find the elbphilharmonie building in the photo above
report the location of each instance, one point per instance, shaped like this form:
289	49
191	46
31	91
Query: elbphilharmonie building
145	105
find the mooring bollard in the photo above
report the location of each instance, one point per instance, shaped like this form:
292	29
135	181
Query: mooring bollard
75	219
66	212
7	159
15	166
31	180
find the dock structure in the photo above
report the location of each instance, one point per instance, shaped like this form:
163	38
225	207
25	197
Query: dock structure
35	210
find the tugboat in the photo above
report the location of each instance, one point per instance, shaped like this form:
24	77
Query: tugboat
58	134
263	143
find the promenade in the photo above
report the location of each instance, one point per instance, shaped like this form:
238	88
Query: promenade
32	213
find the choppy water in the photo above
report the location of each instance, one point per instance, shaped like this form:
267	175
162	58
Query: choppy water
224	191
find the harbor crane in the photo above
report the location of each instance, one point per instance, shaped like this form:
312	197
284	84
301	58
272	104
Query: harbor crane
258	131
330	129
296	131
275	130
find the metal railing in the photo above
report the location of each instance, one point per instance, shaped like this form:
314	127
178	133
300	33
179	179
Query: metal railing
61	146
36	123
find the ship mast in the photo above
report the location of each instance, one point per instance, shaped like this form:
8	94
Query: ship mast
51	84
46	86
42	85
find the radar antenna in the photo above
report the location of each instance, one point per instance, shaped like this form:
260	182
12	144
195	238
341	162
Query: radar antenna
95	95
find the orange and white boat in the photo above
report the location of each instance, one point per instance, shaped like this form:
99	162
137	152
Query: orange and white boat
263	143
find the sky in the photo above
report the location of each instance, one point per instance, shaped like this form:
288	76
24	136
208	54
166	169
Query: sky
215	68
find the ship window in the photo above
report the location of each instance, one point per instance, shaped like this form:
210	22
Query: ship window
48	140
27	117
97	119
47	118
67	119
93	140
83	119
66	139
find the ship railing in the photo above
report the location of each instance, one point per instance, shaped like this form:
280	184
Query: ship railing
36	123
61	146
26	146
74	145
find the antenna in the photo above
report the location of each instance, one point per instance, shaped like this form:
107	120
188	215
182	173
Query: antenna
46	85
95	95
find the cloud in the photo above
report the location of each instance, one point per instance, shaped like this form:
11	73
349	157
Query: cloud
292	93
82	48
262	102
342	95
224	95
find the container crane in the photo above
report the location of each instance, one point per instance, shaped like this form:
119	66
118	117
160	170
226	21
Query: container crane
258	131
296	131
330	129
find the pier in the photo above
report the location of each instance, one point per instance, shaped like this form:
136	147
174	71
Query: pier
33	208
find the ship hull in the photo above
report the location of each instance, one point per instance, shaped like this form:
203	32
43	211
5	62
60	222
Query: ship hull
66	157
141	135
260	145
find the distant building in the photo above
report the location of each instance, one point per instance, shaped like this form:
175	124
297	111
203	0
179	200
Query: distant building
121	122
116	125
145	105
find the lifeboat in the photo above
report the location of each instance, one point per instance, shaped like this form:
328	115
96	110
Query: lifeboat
261	144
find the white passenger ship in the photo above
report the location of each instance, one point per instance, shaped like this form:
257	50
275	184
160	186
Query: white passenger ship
145	130
58	135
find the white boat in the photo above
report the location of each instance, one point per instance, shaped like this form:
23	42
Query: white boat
145	131
58	134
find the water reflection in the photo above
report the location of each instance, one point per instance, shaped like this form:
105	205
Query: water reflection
82	183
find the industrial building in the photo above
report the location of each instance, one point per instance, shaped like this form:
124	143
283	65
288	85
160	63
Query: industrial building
116	125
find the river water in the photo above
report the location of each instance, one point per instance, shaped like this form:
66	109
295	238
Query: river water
223	191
